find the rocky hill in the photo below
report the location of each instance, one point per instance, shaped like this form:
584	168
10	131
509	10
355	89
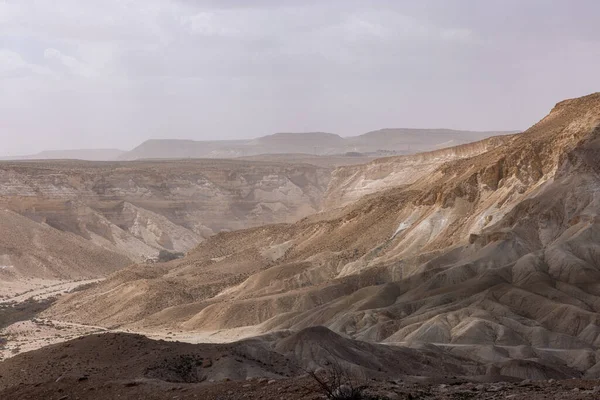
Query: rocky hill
109	366
493	256
130	357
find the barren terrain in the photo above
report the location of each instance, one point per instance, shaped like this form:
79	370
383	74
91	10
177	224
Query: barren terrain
110	366
434	275
492	255
71	220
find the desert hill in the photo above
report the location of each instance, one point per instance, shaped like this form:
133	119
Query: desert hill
350	183
493	256
111	356
29	249
109	365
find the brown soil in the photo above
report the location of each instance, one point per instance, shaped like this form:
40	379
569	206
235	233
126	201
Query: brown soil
111	366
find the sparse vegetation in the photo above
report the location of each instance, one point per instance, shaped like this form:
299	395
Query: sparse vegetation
182	369
84	286
337	382
11	313
166	256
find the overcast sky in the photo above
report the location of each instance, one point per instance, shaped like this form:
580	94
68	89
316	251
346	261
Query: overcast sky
113	73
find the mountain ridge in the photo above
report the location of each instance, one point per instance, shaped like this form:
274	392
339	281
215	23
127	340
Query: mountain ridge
402	141
382	141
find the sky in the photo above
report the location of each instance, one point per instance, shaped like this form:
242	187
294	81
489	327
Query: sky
113	73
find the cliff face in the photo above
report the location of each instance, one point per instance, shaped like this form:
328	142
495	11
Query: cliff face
349	183
139	208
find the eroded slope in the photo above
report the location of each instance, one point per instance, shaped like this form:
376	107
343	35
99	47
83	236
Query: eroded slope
494	256
139	208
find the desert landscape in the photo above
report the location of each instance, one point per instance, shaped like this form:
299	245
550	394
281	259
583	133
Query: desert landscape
464	271
299	200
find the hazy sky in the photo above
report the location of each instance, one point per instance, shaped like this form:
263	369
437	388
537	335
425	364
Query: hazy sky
113	73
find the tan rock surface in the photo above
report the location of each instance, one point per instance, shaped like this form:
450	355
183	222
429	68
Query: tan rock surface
139	208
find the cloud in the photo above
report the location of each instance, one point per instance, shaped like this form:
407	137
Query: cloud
13	64
133	69
391	25
207	24
71	63
457	35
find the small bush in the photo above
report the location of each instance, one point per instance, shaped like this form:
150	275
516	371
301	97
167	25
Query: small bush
338	383
165	256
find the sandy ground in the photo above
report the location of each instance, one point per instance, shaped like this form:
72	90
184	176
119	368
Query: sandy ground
36	333
20	290
31	335
222	336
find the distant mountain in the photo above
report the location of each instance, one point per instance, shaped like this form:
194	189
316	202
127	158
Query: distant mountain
392	141
80	154
405	140
176	148
375	144
307	142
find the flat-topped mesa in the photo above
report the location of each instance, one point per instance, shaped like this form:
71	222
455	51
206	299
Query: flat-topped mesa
386	141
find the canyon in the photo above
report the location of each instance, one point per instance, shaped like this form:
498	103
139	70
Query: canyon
132	211
478	262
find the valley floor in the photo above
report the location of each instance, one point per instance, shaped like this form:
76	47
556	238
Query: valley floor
19	290
35	333
21	302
